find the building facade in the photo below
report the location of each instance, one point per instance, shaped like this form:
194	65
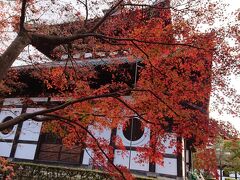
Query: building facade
26	141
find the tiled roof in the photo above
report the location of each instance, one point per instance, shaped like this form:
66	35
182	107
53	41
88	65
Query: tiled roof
84	62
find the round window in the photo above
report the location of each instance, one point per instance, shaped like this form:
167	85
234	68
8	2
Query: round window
9	129
133	131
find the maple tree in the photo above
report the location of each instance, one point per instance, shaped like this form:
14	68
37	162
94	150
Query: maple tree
180	68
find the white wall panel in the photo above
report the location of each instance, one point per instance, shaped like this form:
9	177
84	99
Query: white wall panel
5	149
169	167
167	143
25	151
123	158
100	133
31	129
135	164
87	156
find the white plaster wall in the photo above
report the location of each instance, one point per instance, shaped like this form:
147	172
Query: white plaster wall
169	167
30	132
25	151
120	158
87	156
123	158
31	129
5	149
100	133
166	142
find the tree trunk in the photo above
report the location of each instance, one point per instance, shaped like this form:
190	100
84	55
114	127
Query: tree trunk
12	52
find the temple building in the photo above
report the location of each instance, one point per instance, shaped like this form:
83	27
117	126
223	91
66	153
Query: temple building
26	142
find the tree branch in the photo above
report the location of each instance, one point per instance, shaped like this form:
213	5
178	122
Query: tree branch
26	116
12	52
102	20
202	110
23	117
140	49
23	13
86	9
129	107
39	40
157	97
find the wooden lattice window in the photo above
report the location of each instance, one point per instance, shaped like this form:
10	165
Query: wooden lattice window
52	150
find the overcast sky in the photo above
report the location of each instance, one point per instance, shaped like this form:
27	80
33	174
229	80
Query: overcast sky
233	6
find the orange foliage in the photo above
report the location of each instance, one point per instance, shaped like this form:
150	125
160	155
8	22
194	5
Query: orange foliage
6	169
172	90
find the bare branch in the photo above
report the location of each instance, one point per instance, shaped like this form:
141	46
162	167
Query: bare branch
146	41
85	4
202	110
25	116
102	20
53	41
86	9
140	49
116	95
23	13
